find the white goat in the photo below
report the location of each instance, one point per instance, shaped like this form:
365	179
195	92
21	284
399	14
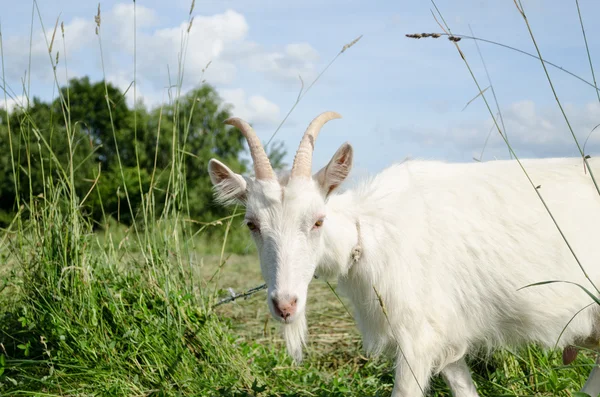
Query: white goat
446	246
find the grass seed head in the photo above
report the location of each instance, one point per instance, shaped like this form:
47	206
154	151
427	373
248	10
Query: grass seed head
423	35
351	43
98	19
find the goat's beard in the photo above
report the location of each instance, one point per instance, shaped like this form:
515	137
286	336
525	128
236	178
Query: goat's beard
295	334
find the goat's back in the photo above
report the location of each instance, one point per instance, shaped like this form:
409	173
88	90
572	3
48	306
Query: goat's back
462	239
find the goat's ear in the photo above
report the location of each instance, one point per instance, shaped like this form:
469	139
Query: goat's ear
229	187
335	172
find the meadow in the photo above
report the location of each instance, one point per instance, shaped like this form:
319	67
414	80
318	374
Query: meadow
107	297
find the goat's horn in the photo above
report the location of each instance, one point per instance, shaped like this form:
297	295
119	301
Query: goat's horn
303	159
262	165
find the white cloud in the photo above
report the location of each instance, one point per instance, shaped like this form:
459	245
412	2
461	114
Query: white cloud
17	50
296	60
255	109
220	39
144	15
302	51
531	125
158	51
11	103
532	130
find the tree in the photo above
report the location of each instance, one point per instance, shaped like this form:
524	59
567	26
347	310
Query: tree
163	151
193	129
89	110
39	143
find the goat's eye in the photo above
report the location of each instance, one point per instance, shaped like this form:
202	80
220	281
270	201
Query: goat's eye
318	223
251	226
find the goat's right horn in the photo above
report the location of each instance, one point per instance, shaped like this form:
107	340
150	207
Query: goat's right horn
262	165
303	159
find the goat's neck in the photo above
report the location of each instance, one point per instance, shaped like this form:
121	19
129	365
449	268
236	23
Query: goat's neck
341	237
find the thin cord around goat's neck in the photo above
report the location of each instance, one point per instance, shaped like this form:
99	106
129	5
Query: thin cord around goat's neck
355	256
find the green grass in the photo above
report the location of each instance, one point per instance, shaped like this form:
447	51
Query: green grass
94	320
128	311
111	325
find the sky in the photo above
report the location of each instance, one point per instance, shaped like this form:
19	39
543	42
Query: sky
398	97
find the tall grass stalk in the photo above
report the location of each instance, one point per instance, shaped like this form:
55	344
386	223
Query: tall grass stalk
521	10
115	140
532	184
383	308
135	125
498	111
6	109
587	50
303	91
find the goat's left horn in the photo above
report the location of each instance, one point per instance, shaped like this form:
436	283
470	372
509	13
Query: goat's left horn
262	165
303	159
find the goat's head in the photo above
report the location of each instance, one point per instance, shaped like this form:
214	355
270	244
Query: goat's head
286	217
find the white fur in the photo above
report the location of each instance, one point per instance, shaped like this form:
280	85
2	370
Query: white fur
447	246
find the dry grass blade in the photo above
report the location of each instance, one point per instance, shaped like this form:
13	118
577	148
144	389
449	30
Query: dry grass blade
475	97
303	92
92	187
588	137
487	73
385	313
53	34
587	49
487	138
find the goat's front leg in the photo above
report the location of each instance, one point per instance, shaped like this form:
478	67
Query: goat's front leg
412	375
458	377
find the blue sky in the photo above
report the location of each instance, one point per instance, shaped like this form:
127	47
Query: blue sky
398	97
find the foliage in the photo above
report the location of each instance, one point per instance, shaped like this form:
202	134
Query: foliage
120	155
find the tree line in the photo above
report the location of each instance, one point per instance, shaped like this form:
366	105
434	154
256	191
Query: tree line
91	133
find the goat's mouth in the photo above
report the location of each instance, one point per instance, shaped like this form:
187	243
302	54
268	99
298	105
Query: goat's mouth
286	320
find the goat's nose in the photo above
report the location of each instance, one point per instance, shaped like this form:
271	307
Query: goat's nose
285	308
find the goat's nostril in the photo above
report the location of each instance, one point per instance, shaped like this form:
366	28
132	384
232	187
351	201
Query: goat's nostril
285	308
276	306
